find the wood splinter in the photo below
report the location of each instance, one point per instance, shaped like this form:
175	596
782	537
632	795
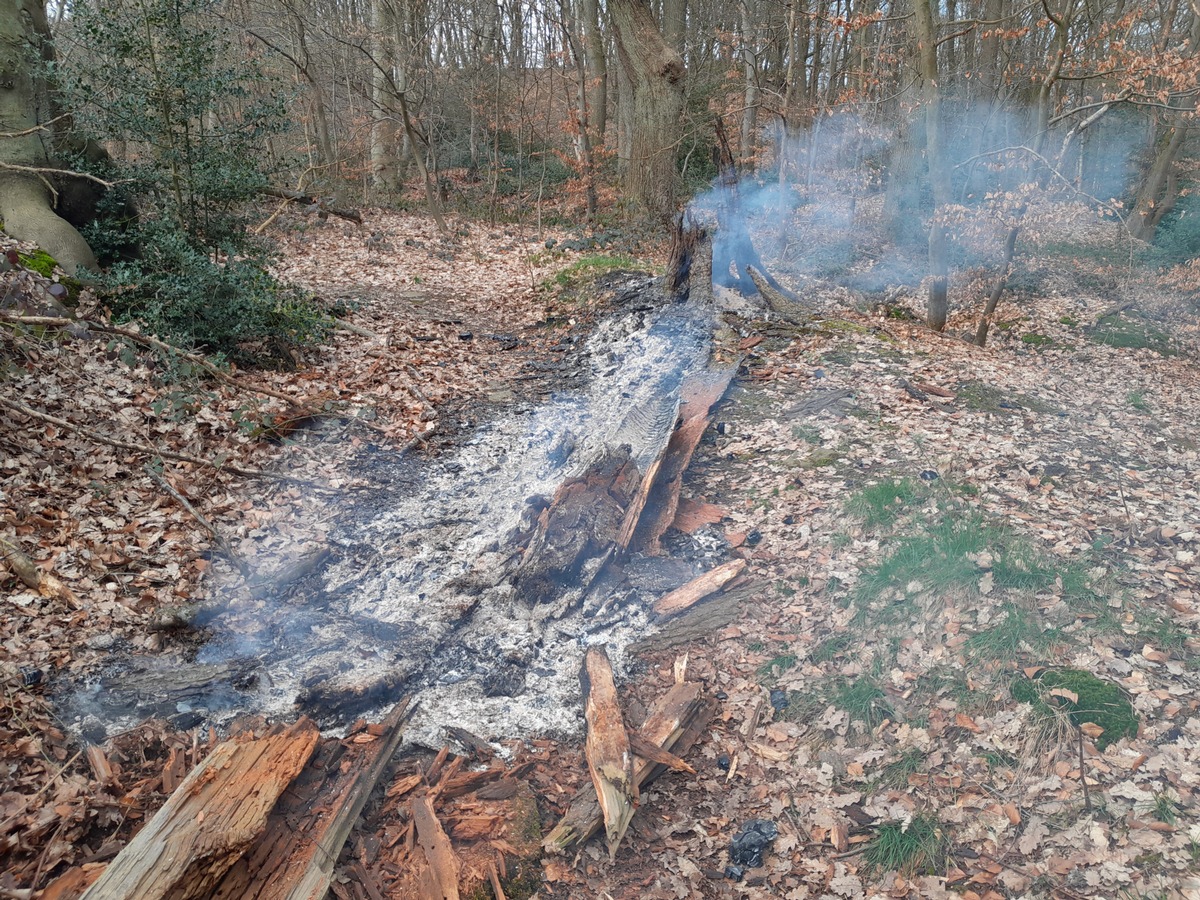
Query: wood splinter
609	758
687	596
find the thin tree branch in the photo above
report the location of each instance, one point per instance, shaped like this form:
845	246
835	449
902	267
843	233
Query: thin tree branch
48	170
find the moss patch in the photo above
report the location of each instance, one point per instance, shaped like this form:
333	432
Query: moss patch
1123	331
39	261
1096	701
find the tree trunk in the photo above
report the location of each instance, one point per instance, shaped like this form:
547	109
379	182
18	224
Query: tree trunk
655	73
597	69
1158	192
749	22
383	146
27	199
939	177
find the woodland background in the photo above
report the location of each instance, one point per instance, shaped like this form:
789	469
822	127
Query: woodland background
914	129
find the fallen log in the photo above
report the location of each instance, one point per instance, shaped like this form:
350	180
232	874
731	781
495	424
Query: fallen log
697	589
783	303
675	723
210	820
295	856
610	762
323	208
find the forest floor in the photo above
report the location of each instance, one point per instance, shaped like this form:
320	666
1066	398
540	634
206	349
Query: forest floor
931	528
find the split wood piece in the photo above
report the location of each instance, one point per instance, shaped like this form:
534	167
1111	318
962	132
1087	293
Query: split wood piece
698	397
210	821
697	589
33	577
700	622
295	856
610	761
643	749
783	303
440	880
675	722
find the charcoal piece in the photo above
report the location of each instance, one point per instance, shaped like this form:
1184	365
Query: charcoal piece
779	700
506	681
752	840
734	873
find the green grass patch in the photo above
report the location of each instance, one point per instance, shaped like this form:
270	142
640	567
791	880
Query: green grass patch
1033	339
804	706
979	395
589	268
1137	400
936	559
1132	333
1085	698
880	504
916	847
1015	634
896	773
864	701
773	668
1165	807
832	647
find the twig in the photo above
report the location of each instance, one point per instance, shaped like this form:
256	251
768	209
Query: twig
356	329
43	126
139	448
1087	795
217	537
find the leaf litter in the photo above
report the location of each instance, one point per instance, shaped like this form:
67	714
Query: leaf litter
1047	520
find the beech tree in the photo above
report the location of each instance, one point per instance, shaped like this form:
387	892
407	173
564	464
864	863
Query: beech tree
35	186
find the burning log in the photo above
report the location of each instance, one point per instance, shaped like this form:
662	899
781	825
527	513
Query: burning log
734	259
579	525
699	396
675	723
610	761
210	820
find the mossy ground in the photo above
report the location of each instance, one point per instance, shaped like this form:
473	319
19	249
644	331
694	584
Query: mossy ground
1096	701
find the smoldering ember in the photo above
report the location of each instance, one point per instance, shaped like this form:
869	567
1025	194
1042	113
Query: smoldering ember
434	468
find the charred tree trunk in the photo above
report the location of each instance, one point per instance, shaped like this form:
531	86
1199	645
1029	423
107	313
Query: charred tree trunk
937	307
733	253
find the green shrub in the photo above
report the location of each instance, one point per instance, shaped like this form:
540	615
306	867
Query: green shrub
236	309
